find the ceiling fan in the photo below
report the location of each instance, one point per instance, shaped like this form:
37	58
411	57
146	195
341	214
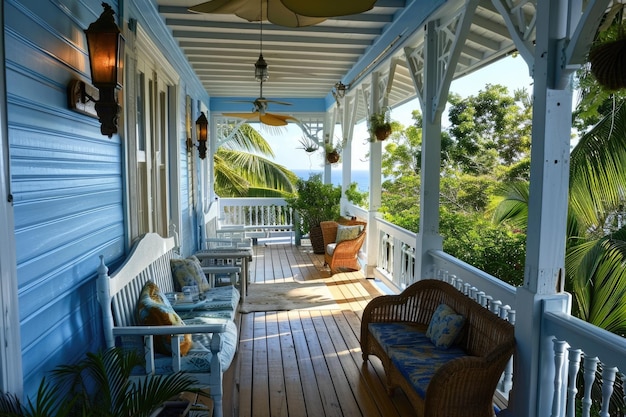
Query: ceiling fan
289	13
273	10
259	112
261	74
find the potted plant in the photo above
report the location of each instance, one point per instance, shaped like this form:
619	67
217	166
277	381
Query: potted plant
332	153
98	385
608	54
380	126
315	202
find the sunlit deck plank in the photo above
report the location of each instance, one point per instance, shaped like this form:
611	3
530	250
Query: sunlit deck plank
308	363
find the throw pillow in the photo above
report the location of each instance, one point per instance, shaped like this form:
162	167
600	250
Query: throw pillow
187	272
347	232
444	327
153	309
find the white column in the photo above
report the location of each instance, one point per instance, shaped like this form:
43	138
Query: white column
375	167
428	236
533	383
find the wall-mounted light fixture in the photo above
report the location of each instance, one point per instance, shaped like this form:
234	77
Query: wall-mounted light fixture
106	52
340	89
202	125
339	92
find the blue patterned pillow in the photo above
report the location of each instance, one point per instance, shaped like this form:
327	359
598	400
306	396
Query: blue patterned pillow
445	326
188	272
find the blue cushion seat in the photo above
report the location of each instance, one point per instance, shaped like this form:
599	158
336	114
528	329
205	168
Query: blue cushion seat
412	352
419	363
220	302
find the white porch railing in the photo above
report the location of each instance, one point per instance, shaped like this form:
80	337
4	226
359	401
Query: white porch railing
260	217
589	367
589	362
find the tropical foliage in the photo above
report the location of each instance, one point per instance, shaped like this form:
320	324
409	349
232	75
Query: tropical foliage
596	227
488	142
98	386
243	166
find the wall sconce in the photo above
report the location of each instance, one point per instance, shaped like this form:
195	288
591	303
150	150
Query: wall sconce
106	51
339	92
202	125
340	89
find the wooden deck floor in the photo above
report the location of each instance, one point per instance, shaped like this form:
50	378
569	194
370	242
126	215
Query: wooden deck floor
307	362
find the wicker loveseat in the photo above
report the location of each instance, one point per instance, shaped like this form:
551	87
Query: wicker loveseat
340	253
459	381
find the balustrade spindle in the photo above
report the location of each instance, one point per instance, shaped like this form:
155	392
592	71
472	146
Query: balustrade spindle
481	299
572	390
589	376
495	307
608	381
511	317
559	360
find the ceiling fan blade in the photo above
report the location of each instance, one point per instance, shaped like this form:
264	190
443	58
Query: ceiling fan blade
265	100
272	10
247	116
275	119
218	6
279	15
328	8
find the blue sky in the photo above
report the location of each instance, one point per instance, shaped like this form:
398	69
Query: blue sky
510	72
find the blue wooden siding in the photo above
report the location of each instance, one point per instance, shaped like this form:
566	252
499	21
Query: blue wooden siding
66	182
67	179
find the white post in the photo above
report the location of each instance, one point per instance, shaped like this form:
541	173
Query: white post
533	388
428	236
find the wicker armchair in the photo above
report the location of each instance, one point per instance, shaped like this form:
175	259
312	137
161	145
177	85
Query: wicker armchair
345	253
463	387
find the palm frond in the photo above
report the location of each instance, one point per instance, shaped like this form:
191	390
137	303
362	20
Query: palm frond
511	204
598	160
599	284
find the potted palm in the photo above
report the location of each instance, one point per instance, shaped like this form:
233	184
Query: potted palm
315	202
98	385
380	126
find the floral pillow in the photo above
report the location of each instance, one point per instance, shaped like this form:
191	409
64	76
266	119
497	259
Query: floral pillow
347	232
445	326
153	309
188	272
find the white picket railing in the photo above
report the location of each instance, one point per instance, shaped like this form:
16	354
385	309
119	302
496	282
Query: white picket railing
589	362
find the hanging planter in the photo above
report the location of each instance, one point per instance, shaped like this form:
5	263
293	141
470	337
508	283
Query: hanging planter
332	156
607	55
380	126
608	63
332	152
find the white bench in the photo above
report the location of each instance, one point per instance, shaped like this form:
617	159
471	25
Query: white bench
118	293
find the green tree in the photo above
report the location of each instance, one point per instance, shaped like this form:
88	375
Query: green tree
465	190
243	167
489	130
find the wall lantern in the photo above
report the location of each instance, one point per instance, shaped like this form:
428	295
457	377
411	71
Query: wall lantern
340	89
202	125
106	51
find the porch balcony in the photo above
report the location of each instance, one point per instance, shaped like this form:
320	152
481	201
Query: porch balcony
308	362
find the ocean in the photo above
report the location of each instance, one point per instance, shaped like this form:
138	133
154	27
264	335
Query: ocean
361	177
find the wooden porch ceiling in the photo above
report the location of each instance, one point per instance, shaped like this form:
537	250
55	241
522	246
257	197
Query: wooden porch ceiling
305	63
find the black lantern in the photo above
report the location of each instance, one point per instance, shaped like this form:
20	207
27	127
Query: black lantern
106	51
202	125
261	74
